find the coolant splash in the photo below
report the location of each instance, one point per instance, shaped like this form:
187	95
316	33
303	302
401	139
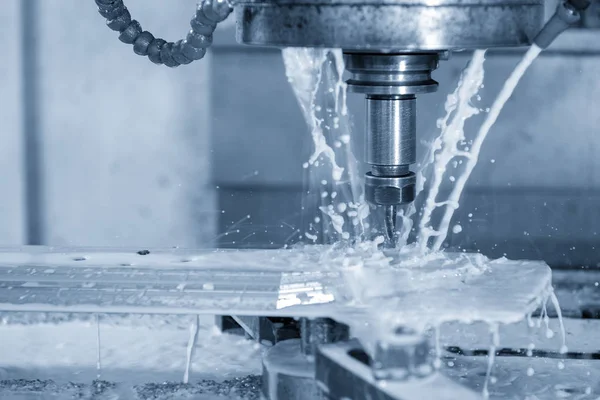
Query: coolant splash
470	154
446	147
494	330
316	78
304	71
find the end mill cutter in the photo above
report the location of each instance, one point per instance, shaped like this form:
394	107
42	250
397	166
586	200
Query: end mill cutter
391	83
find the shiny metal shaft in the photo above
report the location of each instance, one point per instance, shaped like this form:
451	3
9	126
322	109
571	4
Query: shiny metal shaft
391	132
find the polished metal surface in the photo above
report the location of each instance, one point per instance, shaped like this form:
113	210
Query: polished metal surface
394	25
389	170
391	131
391	74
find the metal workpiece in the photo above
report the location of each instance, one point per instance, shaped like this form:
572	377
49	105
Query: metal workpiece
374	24
292	283
318	331
391	131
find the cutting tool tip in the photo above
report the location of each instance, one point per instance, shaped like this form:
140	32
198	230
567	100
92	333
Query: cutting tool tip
390	224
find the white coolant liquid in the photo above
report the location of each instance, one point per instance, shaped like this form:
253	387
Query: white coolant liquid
563	335
317	81
445	147
191	346
304	71
453	133
98	348
495	332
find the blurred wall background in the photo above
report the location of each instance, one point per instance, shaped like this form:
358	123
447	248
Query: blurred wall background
101	147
